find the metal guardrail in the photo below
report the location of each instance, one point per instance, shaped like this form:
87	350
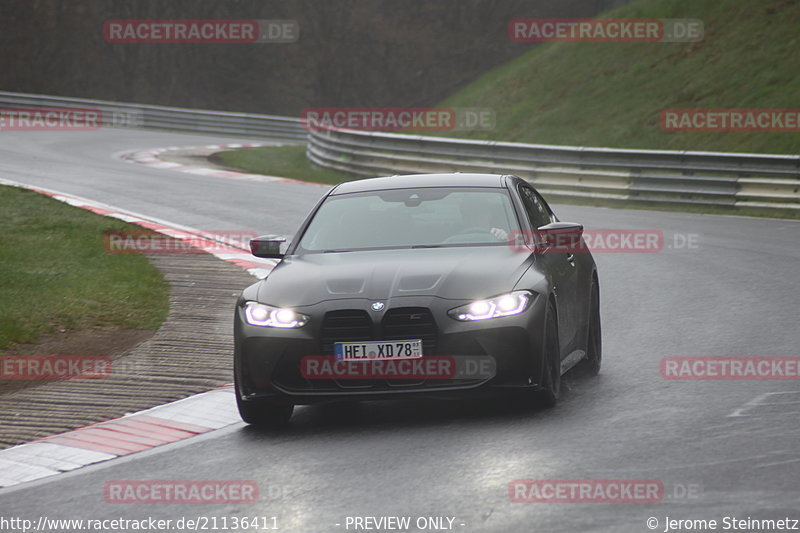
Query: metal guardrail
662	176
118	114
705	178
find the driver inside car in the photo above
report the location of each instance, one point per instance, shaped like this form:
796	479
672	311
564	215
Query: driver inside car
477	215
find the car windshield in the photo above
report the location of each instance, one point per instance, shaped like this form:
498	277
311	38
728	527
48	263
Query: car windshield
408	218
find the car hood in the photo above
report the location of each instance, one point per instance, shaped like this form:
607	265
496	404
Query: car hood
453	273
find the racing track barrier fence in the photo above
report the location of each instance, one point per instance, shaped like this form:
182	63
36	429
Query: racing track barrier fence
674	177
660	176
170	118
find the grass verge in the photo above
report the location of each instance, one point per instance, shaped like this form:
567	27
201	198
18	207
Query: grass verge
283	161
55	274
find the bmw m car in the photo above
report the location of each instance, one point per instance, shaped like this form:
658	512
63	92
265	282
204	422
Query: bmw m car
436	284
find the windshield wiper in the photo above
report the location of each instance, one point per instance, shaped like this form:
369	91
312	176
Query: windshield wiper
335	251
414	246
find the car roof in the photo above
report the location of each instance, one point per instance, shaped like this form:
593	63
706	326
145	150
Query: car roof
421	180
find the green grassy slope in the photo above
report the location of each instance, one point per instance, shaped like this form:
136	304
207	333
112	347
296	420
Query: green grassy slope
612	94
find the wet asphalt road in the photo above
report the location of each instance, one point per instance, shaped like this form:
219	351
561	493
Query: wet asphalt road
734	293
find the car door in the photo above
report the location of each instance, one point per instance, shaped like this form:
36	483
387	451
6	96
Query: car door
562	266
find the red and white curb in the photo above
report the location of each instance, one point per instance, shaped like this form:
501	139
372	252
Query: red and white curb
227	251
160	425
108	440
151	158
140	431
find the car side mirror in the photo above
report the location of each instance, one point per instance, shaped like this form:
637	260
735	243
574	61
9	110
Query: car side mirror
560	236
267	246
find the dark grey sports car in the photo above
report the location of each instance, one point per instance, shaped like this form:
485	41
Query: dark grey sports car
438	284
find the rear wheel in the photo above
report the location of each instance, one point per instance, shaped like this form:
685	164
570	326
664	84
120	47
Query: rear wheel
550	381
594	340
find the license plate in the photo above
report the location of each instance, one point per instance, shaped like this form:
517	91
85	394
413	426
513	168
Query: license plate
378	351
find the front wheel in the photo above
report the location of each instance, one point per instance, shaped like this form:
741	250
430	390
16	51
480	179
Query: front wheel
550	382
263	413
594	341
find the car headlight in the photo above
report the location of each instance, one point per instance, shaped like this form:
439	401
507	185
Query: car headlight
258	314
509	304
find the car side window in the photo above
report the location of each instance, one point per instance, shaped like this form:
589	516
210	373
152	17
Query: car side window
538	214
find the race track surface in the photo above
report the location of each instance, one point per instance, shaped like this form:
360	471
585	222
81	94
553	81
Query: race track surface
735	293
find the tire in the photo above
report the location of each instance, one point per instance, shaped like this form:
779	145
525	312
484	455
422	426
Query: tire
594	336
550	390
262	413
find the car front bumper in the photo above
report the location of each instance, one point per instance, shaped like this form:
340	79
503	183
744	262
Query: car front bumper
268	360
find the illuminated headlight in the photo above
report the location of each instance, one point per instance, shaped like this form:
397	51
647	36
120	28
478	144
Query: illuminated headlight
509	304
258	314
